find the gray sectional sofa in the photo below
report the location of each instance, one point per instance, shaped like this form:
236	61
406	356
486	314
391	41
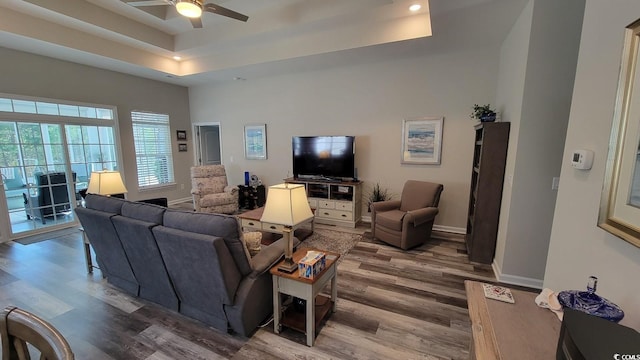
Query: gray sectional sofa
193	263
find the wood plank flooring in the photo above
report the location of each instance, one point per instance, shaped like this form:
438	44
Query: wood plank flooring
392	304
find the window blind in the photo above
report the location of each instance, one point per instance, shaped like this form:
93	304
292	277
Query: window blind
152	139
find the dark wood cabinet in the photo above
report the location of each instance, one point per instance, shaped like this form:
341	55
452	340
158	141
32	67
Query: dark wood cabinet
487	178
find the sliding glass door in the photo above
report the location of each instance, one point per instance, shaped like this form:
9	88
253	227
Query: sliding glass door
46	161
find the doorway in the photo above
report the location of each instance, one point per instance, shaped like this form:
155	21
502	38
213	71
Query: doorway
208	144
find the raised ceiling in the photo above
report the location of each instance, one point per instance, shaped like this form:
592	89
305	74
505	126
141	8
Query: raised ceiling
280	35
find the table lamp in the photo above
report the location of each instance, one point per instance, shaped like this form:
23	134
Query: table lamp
106	182
287	205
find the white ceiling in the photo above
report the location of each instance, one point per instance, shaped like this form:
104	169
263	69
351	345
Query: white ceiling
280	36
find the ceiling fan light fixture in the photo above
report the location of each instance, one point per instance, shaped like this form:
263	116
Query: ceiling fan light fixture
189	8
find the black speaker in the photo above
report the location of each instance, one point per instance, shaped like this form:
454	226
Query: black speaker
584	337
261	193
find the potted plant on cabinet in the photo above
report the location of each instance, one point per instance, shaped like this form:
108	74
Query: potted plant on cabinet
483	113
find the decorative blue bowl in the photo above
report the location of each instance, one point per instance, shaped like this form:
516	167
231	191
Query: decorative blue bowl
590	303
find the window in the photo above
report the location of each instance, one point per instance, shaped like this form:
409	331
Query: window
47	108
152	139
40	136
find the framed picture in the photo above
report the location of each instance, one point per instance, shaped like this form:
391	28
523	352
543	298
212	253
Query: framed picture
181	135
255	142
182	147
422	140
620	201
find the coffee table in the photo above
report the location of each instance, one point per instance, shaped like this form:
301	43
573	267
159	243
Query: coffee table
317	306
250	221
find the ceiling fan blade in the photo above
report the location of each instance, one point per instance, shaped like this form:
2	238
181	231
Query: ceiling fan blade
149	3
196	22
217	9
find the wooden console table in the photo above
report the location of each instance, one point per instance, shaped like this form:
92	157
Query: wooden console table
510	331
250	221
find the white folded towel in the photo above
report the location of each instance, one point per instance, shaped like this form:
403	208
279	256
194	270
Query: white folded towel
548	299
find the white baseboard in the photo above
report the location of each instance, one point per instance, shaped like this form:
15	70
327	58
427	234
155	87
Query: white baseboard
178	201
449	229
514	279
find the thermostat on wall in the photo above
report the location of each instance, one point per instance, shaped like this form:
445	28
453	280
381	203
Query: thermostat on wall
582	159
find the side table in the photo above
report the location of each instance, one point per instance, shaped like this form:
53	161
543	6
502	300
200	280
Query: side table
250	221
87	252
251	197
317	305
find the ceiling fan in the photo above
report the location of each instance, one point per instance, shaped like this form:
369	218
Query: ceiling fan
193	9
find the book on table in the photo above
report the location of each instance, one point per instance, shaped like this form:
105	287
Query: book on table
496	292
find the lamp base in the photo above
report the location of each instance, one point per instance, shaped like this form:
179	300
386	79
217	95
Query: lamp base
288	266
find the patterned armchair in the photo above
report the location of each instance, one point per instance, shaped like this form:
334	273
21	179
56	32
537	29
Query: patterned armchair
210	191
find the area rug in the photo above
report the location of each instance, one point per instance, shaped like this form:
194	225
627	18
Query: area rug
48	236
331	240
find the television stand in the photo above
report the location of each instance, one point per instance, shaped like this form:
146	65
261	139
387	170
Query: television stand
336	202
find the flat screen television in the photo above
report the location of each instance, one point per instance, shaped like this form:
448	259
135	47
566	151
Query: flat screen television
324	157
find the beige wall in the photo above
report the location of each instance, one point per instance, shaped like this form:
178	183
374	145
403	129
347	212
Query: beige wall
32	75
538	106
369	101
578	248
509	98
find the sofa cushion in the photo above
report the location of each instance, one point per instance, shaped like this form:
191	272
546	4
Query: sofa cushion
104	203
390	219
224	226
252	241
144	212
211	200
419	194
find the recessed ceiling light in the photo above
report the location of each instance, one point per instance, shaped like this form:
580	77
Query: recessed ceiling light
415	7
177	58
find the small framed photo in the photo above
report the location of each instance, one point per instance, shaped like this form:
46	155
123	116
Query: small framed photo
182	147
422	140
255	142
181	135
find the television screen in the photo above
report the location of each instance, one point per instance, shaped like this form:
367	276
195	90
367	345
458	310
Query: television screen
330	157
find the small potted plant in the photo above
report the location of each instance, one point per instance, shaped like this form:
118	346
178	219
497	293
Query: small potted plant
483	113
377	193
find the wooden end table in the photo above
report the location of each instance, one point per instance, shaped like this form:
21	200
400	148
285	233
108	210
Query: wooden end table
87	252
317	305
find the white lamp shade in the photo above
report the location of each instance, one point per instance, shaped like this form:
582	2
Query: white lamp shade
287	205
106	183
189	8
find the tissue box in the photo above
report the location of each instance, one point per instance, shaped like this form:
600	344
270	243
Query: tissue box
312	264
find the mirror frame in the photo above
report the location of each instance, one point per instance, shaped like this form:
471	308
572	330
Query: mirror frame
617	215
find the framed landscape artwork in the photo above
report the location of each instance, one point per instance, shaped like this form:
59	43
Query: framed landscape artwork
255	142
620	201
422	140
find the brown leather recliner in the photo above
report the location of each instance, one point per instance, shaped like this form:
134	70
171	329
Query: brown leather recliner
407	222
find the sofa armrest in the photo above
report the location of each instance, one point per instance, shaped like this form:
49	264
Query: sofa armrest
421	216
385	205
269	255
231	189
